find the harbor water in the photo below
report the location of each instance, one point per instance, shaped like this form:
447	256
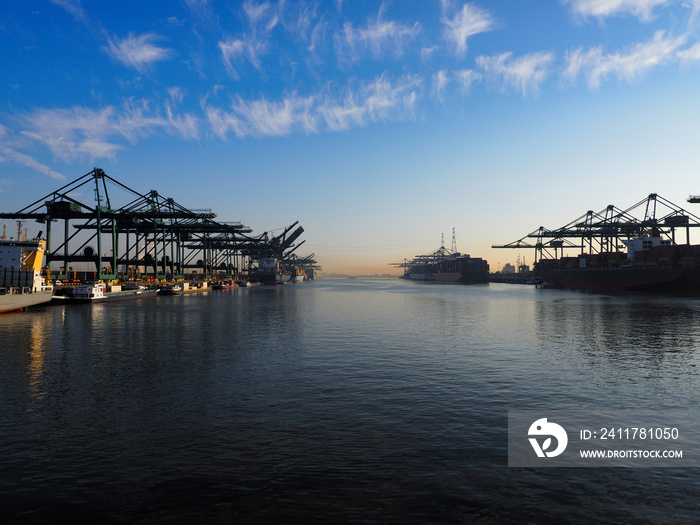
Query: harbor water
335	401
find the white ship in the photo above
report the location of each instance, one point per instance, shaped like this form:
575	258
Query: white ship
21	282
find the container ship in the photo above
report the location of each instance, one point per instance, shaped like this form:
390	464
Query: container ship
650	264
446	266
268	271
21	281
646	247
298	274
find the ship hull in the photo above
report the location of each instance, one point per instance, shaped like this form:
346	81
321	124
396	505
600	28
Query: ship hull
426	276
612	279
111	296
12	302
270	278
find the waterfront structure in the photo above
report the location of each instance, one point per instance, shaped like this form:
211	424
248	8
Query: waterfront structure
644	247
150	237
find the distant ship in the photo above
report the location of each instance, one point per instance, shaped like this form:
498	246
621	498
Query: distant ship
455	268
446	266
21	282
268	271
298	275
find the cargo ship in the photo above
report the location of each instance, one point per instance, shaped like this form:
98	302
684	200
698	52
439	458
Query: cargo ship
453	269
446	266
646	247
298	275
21	281
268	271
649	264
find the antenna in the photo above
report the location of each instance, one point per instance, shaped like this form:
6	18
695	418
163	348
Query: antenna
442	241
454	241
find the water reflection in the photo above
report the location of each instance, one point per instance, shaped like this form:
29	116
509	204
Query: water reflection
25	343
39	332
623	326
638	350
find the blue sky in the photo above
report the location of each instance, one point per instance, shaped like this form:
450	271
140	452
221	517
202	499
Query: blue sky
378	125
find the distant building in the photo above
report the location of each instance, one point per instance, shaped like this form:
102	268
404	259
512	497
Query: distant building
508	268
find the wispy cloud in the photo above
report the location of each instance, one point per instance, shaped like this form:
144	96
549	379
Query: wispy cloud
73	133
81	132
642	9
597	66
378	38
380	99
440	81
176	94
232	50
298	17
137	51
29	162
466	78
261	15
263	118
262	19
526	74
73	7
427	53
463	23
200	8
694	11
689	56
9	153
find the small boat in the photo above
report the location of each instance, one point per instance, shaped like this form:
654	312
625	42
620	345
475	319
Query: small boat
173	289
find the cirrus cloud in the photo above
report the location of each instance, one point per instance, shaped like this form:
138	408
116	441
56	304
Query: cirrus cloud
642	9
464	23
378	37
80	132
378	100
526	73
137	51
596	66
